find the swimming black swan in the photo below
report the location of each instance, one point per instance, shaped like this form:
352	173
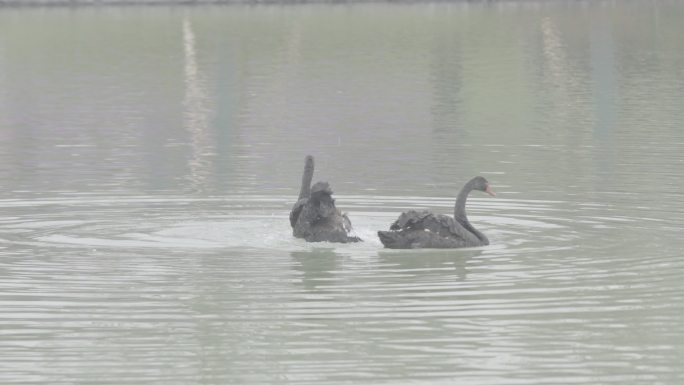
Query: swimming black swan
314	217
422	229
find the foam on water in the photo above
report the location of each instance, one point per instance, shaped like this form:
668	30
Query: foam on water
260	222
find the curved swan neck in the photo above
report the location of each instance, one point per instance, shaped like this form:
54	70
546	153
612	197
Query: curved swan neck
459	209
460	212
305	189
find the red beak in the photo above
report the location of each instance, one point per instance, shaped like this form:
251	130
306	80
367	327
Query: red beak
489	191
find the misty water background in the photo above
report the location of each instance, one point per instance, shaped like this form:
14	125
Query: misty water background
149	157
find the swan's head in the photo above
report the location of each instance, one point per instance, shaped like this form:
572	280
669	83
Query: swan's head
321	188
481	184
309	163
321	198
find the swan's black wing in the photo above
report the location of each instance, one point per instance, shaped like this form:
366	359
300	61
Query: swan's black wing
437	224
425	220
420	229
410	220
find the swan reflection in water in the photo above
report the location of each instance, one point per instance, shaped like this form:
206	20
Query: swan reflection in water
317	266
446	263
322	269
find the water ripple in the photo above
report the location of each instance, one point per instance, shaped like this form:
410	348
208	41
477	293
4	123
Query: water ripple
136	275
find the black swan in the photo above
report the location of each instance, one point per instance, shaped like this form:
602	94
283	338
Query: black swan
314	217
423	229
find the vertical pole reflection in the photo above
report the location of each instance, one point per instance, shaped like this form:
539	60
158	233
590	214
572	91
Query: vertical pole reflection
3	89
196	113
556	64
606	96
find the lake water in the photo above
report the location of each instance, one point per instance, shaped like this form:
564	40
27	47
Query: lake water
149	157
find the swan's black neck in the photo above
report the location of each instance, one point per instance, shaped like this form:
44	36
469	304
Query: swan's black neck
305	189
460	212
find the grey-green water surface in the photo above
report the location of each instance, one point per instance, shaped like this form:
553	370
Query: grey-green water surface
149	157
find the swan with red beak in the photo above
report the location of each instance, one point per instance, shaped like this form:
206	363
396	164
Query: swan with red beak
423	229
